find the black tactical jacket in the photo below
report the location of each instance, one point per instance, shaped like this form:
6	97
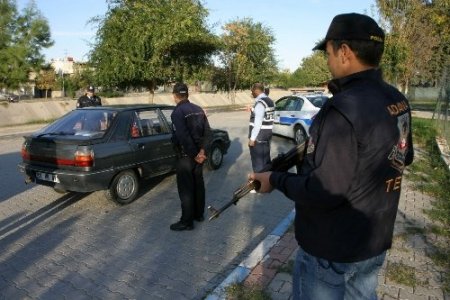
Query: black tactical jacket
85	101
347	192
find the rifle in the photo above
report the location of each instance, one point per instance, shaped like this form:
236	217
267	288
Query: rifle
281	163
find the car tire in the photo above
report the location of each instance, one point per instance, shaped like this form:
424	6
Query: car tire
59	191
124	187
215	157
299	135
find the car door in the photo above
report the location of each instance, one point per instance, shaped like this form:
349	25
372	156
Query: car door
151	142
287	113
279	109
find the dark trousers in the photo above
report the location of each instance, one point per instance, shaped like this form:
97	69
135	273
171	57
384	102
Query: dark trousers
191	189
260	155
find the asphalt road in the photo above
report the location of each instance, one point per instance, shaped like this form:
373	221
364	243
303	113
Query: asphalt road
81	246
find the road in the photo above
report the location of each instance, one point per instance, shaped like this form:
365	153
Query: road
81	246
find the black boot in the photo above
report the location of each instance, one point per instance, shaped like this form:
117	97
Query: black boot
179	226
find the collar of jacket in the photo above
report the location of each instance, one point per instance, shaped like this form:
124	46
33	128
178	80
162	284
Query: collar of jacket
338	85
183	102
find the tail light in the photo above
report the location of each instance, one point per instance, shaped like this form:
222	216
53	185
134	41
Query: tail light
84	157
24	152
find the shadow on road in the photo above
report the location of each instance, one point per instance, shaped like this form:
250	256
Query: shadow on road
23	224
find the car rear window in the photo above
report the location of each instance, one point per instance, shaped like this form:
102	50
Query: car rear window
90	123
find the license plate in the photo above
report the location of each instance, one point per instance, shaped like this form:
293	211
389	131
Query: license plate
47	177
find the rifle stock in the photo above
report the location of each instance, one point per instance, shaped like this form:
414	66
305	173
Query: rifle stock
281	163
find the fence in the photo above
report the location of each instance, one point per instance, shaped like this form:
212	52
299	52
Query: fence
442	111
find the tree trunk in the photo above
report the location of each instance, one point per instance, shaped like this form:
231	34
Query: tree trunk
152	90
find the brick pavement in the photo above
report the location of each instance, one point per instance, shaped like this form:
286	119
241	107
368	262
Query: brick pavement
412	247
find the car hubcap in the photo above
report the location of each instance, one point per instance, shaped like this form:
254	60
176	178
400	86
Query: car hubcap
216	156
299	137
125	187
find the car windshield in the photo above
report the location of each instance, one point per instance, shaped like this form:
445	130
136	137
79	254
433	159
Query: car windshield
82	122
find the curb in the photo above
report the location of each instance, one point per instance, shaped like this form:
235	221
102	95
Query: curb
240	273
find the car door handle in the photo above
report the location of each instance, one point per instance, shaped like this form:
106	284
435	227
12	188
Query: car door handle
292	115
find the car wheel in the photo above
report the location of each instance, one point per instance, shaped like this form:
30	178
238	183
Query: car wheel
124	187
299	135
215	157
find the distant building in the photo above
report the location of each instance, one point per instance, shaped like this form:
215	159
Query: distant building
63	66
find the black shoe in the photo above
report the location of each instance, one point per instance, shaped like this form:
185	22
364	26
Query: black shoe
200	219
179	226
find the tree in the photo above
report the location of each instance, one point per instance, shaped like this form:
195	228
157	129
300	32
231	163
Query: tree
410	41
440	19
145	43
247	54
22	38
313	71
46	79
282	79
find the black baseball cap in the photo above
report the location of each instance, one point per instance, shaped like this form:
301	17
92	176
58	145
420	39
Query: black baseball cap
180	88
352	26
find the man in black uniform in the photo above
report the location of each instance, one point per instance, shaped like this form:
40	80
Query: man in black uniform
89	99
190	135
347	191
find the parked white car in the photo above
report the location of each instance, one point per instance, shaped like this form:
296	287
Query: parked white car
294	114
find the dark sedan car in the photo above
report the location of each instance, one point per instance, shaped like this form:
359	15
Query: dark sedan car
13	98
108	148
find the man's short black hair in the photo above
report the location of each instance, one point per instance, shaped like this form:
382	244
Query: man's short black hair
368	52
258	86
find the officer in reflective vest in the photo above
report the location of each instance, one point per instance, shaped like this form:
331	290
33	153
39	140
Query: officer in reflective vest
260	129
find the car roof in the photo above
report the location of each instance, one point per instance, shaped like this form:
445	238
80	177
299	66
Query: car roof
127	107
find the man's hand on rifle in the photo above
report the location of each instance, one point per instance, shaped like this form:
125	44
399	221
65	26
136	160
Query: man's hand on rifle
264	180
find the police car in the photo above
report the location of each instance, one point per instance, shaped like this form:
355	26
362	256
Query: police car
294	114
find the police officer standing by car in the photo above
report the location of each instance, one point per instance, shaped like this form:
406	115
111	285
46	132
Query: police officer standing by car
260	128
191	133
347	191
89	99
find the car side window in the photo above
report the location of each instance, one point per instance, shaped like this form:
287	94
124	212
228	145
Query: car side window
148	123
166	113
299	104
294	104
281	104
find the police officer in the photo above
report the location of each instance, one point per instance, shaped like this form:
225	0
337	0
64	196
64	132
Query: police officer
191	133
89	99
260	128
347	191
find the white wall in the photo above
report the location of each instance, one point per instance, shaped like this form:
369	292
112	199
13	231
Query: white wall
33	110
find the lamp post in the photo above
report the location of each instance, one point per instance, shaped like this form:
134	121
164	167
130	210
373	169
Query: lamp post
62	76
61	73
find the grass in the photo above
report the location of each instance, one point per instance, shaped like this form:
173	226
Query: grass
402	274
430	175
288	267
239	291
423	105
35	122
